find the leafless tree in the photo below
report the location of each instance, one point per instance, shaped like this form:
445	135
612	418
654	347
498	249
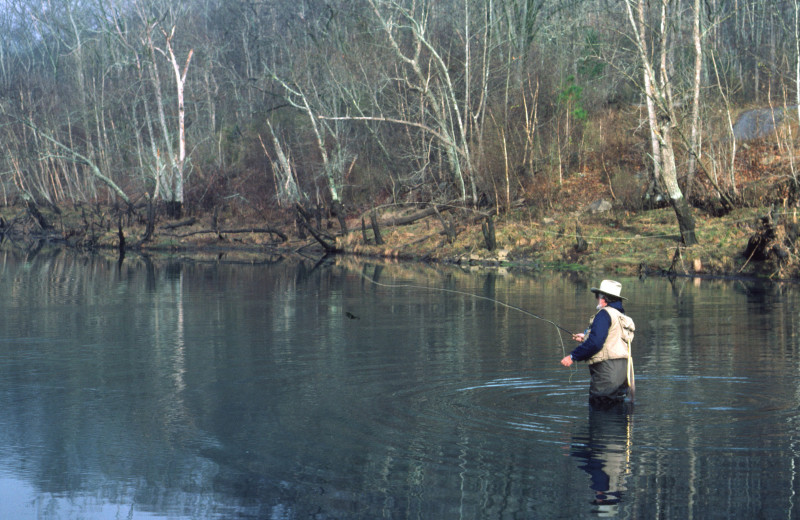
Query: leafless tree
661	111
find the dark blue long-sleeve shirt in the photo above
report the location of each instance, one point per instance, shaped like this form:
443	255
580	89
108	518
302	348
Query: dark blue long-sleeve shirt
597	335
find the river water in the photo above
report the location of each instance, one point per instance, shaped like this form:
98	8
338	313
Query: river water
289	390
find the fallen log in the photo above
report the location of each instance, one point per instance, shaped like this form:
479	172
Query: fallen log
410	219
326	242
436	209
273	231
188	222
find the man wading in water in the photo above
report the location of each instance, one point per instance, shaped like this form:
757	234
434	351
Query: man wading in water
606	346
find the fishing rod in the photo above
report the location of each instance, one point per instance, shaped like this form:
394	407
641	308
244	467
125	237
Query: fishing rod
476	296
629	374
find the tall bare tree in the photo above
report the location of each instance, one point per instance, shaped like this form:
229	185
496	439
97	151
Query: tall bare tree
695	137
169	173
425	70
661	111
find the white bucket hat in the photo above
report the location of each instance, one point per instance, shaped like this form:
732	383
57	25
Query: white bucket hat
609	287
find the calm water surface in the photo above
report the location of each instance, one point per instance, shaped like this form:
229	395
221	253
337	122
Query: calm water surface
198	390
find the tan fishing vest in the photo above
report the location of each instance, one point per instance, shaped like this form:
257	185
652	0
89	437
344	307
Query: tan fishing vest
620	333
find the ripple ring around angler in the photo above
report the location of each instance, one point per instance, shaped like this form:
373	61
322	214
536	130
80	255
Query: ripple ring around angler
504	407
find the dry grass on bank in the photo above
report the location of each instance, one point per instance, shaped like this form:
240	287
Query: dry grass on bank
537	233
616	241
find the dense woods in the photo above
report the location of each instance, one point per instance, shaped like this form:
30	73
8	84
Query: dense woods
355	105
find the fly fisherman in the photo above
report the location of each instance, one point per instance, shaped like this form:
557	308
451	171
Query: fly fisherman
606	346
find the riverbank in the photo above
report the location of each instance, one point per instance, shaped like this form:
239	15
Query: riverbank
590	219
616	242
575	239
586	224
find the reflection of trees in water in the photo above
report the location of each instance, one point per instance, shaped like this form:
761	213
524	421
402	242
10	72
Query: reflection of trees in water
99	362
603	448
227	406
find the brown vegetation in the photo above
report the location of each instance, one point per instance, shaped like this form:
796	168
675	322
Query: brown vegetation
758	238
450	130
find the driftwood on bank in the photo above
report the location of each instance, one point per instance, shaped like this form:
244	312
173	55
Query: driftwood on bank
449	225
174	225
33	210
376	230
775	239
270	230
432	210
488	233
326	241
580	243
410	219
364	236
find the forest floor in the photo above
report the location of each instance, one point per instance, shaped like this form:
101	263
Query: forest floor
566	235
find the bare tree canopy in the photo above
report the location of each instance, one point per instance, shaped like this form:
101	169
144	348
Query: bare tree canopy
352	103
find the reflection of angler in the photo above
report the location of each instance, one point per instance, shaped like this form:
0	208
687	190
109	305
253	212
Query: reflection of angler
604	451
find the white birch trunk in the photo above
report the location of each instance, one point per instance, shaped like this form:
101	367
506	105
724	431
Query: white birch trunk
661	115
180	82
694	154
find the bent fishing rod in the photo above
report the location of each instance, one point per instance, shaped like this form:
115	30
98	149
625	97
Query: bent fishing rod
630	374
476	296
